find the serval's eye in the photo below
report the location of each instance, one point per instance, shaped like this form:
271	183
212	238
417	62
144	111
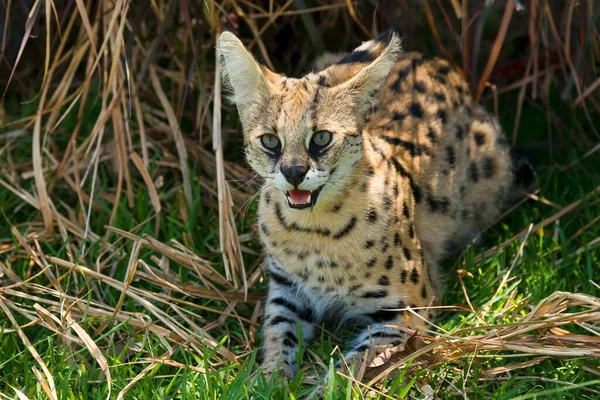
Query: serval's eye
321	139
270	142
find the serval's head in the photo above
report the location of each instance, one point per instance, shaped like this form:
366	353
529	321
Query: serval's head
304	136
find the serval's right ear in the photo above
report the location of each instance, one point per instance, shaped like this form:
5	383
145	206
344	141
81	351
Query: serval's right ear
249	81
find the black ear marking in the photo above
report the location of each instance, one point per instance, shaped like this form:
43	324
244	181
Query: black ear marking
361	56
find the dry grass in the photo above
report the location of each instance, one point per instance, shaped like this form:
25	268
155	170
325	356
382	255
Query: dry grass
148	72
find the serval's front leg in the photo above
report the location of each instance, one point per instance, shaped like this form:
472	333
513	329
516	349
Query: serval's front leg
286	310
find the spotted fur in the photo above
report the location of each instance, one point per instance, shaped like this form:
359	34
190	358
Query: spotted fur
415	168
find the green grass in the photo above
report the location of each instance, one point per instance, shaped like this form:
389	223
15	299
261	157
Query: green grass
552	260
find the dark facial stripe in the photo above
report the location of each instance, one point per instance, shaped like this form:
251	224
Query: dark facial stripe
346	229
295	227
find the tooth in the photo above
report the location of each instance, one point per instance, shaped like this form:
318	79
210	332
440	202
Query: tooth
309	198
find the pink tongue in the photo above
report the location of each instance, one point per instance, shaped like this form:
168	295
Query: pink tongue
299	196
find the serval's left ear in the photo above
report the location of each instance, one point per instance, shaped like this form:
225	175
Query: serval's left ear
363	72
250	82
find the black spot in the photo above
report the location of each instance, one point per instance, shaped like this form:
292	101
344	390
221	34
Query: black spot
304	313
385	247
407	254
369	171
264	228
360	56
280	319
354	288
397	241
411	231
440	97
488	167
302	255
292	336
387	334
368	274
465	214
460	132
346	229
322	80
404	72
340	280
412	149
387	202
479	138
440	205
388	314
288	343
369	244
389	263
321	278
371	215
416	110
282	280
432	136
441	79
363	187
414	276
375	294
405	211
383	280
450	156
443	116
424	292
444	70
395	190
403	276
398	117
371	262
419	87
473	174
336	207
268	198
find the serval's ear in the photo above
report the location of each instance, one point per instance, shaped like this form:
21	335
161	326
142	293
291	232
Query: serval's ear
249	81
363	71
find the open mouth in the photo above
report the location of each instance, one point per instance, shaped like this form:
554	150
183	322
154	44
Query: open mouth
302	198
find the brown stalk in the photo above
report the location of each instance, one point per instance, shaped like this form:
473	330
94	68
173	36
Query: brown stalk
508	10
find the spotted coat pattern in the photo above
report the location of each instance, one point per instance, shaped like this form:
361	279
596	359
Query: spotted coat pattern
415	170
